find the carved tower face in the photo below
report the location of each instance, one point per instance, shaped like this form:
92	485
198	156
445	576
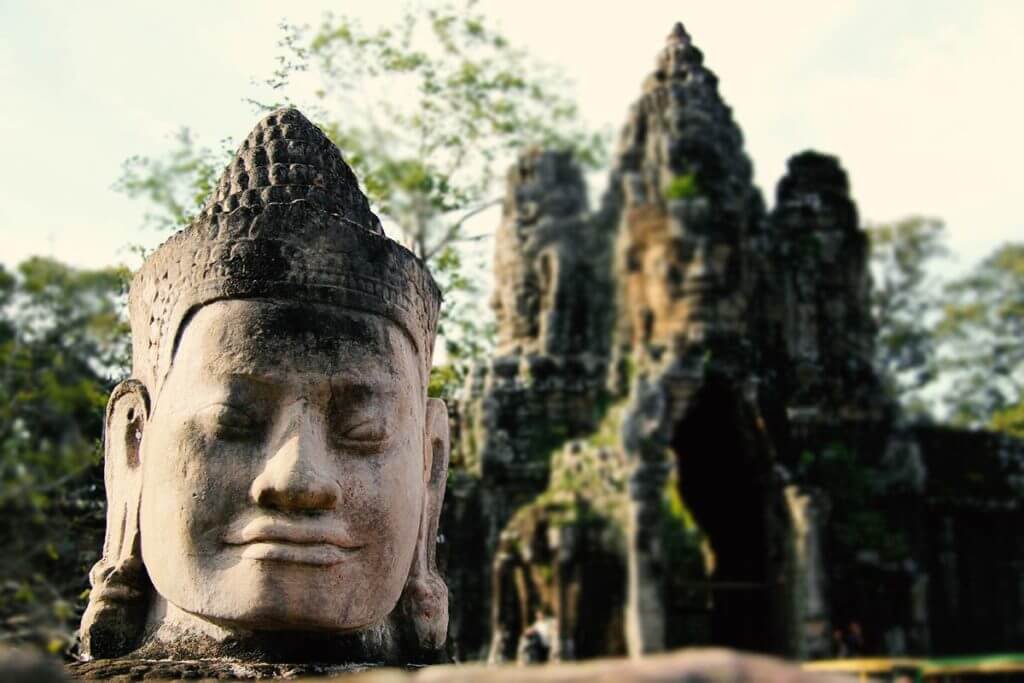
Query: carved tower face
284	467
829	329
541	235
688	204
541	226
684	273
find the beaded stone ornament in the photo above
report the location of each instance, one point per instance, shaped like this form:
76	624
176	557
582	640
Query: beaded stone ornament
287	221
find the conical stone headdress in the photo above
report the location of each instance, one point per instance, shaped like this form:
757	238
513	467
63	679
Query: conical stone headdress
287	221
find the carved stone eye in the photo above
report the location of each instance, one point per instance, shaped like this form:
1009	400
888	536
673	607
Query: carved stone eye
231	423
367	431
675	276
366	438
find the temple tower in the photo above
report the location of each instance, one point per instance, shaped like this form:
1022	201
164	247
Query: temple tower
821	252
544	386
684	273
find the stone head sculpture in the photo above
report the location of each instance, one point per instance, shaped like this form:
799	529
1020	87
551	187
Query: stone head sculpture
274	465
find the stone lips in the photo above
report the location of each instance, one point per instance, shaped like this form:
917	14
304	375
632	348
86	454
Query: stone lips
326	247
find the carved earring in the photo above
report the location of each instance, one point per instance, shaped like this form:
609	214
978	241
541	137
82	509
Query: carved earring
423	606
115	617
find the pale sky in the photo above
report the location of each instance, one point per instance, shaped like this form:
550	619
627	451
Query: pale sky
922	100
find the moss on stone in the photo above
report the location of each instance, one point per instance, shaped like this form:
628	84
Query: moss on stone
680	536
607	433
587	485
683	187
856	520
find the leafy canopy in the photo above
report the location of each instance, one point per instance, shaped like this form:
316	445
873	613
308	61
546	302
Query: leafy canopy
428	111
905	302
63	344
982	328
953	346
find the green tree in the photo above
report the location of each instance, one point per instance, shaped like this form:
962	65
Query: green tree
981	331
906	303
66	342
428	110
63	344
175	186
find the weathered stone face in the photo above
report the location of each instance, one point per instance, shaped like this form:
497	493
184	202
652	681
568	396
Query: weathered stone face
688	210
538	301
821	253
681	275
284	468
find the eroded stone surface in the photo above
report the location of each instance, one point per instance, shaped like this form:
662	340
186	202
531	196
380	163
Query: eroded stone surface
552	301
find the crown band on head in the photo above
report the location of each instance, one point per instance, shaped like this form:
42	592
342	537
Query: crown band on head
297	231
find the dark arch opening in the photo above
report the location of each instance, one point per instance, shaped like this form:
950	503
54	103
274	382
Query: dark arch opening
601	600
723	484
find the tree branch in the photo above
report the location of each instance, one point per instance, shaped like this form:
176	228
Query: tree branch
453	229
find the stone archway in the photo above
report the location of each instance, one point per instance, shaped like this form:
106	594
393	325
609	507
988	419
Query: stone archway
724	482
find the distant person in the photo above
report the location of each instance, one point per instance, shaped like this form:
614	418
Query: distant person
839	649
535	646
854	640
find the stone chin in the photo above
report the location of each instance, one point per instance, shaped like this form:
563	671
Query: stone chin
279	596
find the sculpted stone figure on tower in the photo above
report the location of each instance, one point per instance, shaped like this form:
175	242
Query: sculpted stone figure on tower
540	247
688	207
274	468
823	252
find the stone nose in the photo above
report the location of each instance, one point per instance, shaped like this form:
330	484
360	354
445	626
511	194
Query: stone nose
297	477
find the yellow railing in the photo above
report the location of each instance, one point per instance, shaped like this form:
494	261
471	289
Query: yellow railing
975	667
877	668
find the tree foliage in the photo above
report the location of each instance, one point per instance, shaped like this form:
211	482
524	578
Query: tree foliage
428	110
63	344
65	341
951	347
981	330
175	186
905	302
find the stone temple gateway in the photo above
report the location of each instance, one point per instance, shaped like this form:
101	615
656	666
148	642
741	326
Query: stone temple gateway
681	439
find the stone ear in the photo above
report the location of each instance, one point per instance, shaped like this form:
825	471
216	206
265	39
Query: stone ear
126	417
115	617
423	607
